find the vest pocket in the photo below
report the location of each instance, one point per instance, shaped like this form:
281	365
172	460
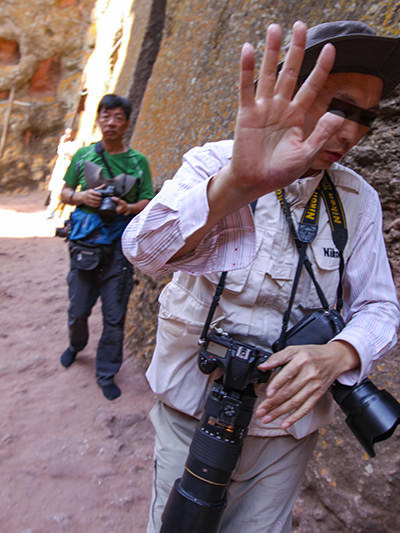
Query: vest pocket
187	299
235	279
325	261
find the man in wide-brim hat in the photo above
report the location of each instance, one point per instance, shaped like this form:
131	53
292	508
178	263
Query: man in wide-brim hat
304	116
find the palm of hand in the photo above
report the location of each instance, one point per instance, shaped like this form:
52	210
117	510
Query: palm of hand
271	148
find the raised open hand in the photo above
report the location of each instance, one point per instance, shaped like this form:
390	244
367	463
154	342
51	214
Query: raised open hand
271	148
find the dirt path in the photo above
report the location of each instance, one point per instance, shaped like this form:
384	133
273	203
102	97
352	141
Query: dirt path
70	460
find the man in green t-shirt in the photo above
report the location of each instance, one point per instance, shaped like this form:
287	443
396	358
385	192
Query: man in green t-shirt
109	183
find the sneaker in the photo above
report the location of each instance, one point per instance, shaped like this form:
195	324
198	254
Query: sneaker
110	390
68	357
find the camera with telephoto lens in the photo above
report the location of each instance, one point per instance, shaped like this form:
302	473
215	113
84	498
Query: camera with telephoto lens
372	414
197	499
108	208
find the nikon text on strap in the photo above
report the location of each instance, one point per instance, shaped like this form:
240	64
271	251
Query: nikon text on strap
306	232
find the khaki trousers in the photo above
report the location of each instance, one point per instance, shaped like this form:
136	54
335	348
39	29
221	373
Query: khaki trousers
265	482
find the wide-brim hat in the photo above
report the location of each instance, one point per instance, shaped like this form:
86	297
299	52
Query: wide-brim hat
358	49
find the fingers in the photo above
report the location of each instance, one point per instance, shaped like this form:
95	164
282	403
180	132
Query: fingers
92	198
286	84
311	88
297	406
246	83
326	126
122	206
267	78
300	384
287	79
293	394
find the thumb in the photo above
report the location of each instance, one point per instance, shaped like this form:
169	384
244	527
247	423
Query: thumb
326	126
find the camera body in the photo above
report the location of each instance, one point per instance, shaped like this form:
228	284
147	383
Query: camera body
65	231
318	327
108	208
238	360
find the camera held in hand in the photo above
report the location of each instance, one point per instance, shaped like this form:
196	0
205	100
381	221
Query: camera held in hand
197	499
238	360
108	208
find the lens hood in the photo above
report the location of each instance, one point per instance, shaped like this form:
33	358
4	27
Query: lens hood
372	414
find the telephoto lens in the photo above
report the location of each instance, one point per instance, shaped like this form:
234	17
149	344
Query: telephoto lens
198	498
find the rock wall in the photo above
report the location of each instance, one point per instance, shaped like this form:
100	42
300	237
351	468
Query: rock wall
41	60
190	99
119	33
57	59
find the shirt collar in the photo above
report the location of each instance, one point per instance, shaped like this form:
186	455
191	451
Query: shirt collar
299	192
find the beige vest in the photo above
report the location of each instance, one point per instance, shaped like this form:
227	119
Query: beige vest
253	301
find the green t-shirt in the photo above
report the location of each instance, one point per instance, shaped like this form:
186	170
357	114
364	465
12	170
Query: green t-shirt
130	162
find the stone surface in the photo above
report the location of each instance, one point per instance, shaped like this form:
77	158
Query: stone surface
61	57
42	51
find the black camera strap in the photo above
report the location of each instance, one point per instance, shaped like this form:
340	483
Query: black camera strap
305	234
213	306
99	148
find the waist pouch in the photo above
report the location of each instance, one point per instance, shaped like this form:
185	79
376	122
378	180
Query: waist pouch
86	256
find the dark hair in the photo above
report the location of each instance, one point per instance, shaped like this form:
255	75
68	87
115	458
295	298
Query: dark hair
111	101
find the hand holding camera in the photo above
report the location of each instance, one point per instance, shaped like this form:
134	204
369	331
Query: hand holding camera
307	373
121	207
105	199
92	197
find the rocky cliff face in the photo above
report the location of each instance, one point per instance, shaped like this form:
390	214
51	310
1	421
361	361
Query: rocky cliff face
41	59
57	59
52	50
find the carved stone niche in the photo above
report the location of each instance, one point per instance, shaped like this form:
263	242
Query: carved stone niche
9	52
46	77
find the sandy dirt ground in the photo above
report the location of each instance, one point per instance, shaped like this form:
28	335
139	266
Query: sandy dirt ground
70	460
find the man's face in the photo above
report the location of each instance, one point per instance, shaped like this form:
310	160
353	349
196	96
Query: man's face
364	91
113	123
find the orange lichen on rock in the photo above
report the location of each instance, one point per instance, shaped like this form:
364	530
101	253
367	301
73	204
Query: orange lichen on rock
68	3
9	52
47	76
